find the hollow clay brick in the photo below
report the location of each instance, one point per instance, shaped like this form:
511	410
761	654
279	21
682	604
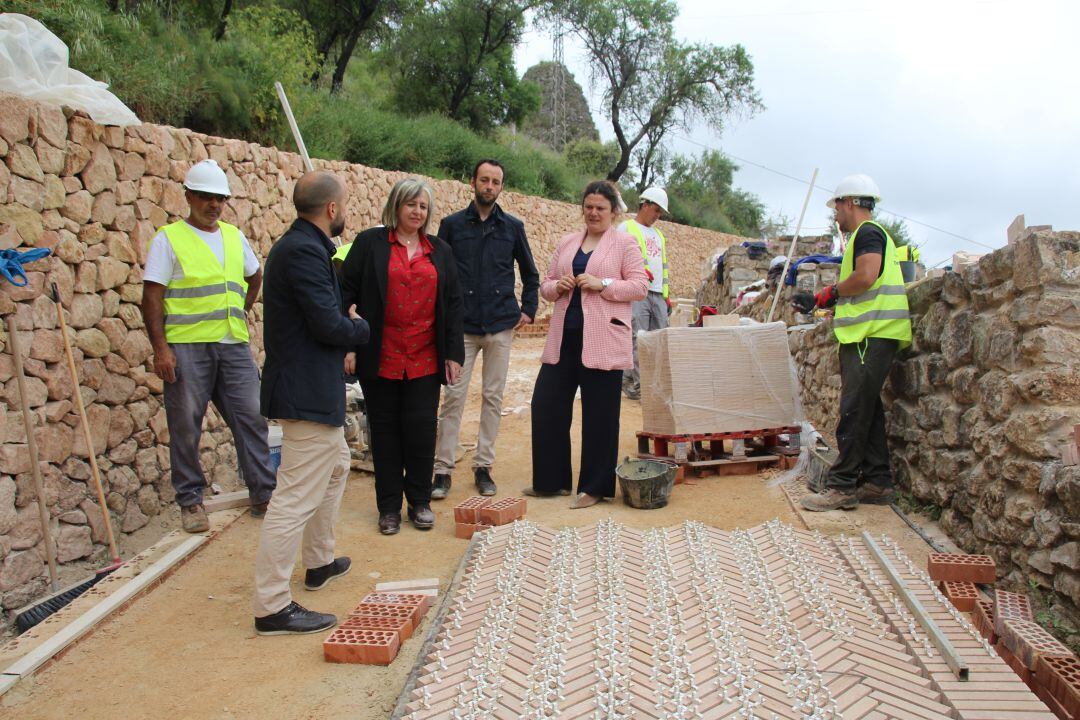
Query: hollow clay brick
1013	662
1053	703
1010	606
503	512
464	530
468	511
1061	678
411	612
403	626
962	595
983	618
945	567
366	647
1028	641
394	598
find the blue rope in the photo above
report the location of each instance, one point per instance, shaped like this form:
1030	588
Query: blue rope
11	263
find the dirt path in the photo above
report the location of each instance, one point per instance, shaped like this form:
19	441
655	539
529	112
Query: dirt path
188	649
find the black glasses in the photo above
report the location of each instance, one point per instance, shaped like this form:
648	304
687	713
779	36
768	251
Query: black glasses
207	197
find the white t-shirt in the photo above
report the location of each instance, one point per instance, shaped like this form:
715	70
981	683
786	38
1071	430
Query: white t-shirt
654	255
162	265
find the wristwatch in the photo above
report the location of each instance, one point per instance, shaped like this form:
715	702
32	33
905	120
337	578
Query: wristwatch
606	281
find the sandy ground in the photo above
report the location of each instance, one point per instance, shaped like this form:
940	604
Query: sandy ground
188	648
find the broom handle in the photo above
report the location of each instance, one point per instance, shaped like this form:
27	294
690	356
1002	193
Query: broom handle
85	427
31	441
794	244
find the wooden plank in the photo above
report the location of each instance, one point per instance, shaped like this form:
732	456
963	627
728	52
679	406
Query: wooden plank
227	501
403	585
44	652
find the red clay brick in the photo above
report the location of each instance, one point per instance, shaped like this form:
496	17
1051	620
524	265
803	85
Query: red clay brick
468	511
366	647
983	618
503	512
1061	677
412	612
945	567
1029	641
1010	606
403	626
1014	662
464	530
395	598
962	595
1053	703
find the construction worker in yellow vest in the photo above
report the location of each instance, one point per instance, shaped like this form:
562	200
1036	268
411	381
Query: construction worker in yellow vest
907	253
651	313
872	324
200	280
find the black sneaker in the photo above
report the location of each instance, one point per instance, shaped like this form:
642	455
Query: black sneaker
484	484
440	487
294	619
316	578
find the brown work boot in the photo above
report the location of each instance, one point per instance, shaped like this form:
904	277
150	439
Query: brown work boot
830	499
871	494
194	518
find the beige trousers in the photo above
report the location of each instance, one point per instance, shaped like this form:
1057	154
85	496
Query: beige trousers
310	482
496	350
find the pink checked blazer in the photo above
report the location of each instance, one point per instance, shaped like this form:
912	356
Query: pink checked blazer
608	340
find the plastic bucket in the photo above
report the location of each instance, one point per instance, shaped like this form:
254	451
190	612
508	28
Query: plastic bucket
646	484
273	439
907	268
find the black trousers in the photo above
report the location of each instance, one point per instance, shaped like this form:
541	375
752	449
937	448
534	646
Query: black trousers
860	434
553	411
402	415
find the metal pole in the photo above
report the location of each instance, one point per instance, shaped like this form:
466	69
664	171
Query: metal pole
941	642
292	125
31	442
791	250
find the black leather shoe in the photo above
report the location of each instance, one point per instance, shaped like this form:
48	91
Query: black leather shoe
440	487
422	517
484	484
389	523
294	619
316	578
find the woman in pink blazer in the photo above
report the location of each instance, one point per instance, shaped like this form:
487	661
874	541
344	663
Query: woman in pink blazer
594	276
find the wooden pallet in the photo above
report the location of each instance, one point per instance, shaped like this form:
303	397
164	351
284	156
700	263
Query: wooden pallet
708	453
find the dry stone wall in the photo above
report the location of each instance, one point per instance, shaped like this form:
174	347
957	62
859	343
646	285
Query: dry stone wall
982	406
95	196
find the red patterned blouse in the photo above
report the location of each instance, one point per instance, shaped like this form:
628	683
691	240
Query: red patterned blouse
408	341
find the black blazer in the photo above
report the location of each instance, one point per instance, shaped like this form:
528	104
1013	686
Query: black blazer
306	330
363	279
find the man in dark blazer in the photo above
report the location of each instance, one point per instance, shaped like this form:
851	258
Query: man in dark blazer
306	335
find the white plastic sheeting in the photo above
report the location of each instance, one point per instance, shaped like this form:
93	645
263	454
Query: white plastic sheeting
34	64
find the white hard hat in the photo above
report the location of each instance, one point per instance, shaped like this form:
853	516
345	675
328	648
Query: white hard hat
855	186
206	176
656	195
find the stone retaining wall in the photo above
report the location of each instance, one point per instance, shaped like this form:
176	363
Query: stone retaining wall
95	195
981	407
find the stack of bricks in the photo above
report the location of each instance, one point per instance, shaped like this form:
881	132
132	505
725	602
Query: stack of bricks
480	513
536	329
376	628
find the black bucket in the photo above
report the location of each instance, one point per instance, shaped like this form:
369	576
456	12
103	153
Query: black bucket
646	484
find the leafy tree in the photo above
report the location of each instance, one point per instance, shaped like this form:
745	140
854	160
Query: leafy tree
456	57
897	229
653	83
701	193
591	157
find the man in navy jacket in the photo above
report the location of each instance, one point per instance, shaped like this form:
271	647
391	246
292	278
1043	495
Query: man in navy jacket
306	335
487	242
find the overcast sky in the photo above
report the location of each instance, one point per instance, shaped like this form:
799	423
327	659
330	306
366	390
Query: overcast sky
965	112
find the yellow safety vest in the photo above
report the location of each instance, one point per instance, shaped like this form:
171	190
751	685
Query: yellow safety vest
881	311
341	252
638	233
208	303
906	253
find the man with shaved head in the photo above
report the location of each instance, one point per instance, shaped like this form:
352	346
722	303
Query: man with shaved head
306	334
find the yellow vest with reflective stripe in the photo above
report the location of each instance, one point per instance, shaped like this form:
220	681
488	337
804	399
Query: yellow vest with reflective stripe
906	253
882	310
341	252
208	302
635	230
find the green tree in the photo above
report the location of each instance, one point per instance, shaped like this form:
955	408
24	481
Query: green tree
654	84
702	193
456	57
591	157
897	229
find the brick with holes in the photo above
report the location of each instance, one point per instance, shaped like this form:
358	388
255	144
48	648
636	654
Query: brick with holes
1010	606
403	626
503	512
962	595
411	612
1029	641
1061	678
983	618
468	510
960	567
365	647
394	598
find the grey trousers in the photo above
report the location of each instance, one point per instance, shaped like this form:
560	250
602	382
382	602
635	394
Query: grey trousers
649	313
224	374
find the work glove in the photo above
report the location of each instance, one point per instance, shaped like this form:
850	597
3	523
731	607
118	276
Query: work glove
670	307
803	302
827	297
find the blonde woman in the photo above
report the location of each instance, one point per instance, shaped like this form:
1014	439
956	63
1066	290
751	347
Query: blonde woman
404	282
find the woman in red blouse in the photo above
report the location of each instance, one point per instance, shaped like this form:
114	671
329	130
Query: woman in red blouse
404	282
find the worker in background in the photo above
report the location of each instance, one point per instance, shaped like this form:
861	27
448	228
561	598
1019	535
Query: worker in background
201	279
650	313
872	324
487	242
905	252
307	334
